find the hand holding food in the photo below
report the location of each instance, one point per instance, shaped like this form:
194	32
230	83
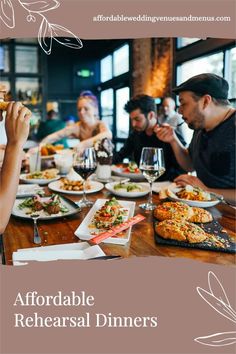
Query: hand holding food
185	179
165	133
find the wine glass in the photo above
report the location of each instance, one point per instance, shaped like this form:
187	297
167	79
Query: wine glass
85	164
152	165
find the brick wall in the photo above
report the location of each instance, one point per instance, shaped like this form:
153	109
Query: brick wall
152	66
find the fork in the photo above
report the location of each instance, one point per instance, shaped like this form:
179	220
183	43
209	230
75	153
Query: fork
37	238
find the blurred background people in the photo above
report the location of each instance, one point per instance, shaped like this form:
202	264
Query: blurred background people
17	131
70	119
88	129
51	125
173	118
142	112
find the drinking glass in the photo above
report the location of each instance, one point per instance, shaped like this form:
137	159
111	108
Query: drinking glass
152	165
85	164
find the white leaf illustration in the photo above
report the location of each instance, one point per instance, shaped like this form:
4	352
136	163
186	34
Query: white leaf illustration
45	36
60	31
40	5
216	304
218	339
216	288
7	13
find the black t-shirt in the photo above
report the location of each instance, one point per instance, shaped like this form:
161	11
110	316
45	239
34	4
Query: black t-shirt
213	154
133	148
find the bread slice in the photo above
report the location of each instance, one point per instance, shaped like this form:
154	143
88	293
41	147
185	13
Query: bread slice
200	215
181	231
173	210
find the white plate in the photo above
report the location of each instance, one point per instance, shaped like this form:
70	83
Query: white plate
158	186
21	213
124	193
27	190
173	189
95	187
84	232
119	171
42	181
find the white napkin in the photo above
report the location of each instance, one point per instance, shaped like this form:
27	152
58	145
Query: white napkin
28	189
52	253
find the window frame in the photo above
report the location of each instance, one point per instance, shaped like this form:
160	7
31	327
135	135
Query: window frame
200	49
116	82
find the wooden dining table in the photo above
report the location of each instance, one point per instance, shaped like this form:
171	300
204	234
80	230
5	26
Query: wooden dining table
19	234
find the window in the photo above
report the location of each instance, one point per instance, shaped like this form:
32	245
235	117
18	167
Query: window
230	72
208	64
183	42
115	64
4	59
212	55
115	92
121	60
106	68
26	59
122	117
107	107
22	74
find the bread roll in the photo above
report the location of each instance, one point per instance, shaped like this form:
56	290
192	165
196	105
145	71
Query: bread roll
4	105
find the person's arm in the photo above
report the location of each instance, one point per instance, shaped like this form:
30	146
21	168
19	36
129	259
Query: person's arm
125	151
228	194
167	134
17	130
104	132
60	134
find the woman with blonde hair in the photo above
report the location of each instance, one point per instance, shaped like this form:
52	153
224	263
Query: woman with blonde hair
89	128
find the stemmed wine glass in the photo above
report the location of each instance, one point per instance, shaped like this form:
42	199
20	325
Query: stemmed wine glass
85	164
152	165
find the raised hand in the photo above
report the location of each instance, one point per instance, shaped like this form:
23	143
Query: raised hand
17	123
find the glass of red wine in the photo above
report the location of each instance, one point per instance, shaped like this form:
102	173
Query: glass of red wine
85	164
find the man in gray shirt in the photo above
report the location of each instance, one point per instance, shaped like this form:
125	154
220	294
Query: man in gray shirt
173	118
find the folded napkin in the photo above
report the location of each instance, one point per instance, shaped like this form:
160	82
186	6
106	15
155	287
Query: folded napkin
25	190
57	252
161	187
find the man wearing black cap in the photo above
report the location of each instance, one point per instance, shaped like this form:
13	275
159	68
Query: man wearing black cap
205	108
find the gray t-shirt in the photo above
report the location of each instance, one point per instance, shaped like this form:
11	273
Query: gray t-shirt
213	154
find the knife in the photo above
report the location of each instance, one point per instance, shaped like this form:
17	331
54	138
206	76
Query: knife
104	257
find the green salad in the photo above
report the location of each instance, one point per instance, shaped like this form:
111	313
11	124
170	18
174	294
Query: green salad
128	187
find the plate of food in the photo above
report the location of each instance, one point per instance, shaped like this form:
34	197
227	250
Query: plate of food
129	171
48	151
40	177
105	214
47	208
193	196
68	186
27	190
128	189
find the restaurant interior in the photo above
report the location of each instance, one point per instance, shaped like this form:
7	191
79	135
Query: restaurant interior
114	71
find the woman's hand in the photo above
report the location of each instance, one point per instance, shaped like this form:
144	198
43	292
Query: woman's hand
17	123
